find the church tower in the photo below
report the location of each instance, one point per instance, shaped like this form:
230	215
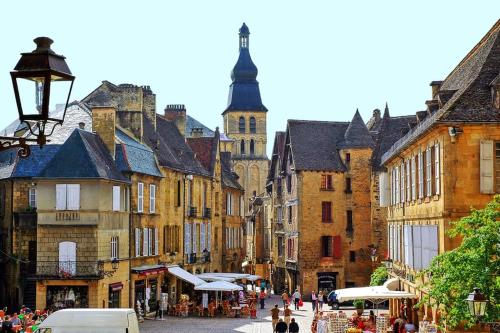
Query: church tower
245	122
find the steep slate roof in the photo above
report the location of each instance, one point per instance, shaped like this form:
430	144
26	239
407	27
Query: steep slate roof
83	155
278	150
133	156
229	178
192	123
170	148
206	150
324	136
36	162
244	93
357	134
465	95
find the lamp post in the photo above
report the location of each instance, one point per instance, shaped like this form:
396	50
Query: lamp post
477	304
46	74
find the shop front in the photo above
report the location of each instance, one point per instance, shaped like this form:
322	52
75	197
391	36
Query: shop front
147	281
114	295
327	281
65	297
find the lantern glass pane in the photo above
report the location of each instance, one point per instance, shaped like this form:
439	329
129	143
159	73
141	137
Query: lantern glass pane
59	90
483	308
471	308
477	308
31	94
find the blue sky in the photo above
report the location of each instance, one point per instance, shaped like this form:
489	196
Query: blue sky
317	59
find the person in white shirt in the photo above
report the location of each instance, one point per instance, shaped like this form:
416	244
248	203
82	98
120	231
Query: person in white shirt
296	297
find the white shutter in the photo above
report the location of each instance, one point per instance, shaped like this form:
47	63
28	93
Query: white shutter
137	242
209	238
428	171
413	179
425	246
403	185
397	185
408	181
420	175
152	198
390	243
486	167
67	257
116	198
410	246
434	236
145	241
73	197
406	235
417	247
437	170
384	189
61	196
140	197
203	245
195	238
150	241
187	238
32	197
156	241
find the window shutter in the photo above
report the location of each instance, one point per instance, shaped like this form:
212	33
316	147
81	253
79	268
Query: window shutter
67	257
403	187
137	242
61	196
209	236
417	248
187	250
408	181
32	197
434	236
486	167
150	241
428	171
389	243
384	189
73	197
420	175
437	169
203	245
116	198
413	178
156	241
397	185
152	198
140	197
145	241
337	247
195	238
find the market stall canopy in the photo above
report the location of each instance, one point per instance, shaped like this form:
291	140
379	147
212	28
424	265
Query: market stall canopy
214	277
148	269
375	294
392	284
218	286
253	277
185	275
236	276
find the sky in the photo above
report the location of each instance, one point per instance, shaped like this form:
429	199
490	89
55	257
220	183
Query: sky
317	60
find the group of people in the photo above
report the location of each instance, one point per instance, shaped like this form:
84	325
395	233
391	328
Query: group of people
25	320
285	324
296	297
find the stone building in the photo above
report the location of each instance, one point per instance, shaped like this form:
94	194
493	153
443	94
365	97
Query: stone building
447	163
245	122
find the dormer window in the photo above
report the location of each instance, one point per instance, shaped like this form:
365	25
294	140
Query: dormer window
495	92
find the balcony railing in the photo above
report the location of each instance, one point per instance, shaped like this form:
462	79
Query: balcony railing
70	269
207	213
192	211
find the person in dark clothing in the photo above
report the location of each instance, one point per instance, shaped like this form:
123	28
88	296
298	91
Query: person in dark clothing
294	327
7	325
281	326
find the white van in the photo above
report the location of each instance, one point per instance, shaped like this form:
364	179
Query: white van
90	321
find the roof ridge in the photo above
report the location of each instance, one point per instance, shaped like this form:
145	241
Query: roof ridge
318	121
88	148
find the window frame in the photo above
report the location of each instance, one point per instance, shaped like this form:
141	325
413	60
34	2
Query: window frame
152	198
140	197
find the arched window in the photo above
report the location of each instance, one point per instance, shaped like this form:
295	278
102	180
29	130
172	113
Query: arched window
253	128
252	147
242	147
242	125
67	258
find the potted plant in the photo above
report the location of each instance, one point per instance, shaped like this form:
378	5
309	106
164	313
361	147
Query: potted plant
359	304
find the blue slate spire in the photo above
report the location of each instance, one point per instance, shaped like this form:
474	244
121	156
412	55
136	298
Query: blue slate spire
244	93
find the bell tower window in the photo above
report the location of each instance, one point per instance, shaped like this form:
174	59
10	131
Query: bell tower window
242	125
252	147
244	42
253	128
242	147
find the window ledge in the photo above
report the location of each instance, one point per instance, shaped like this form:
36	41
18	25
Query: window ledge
327	189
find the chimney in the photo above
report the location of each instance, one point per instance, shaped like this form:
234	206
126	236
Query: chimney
177	114
149	104
435	86
104	124
197	132
376	114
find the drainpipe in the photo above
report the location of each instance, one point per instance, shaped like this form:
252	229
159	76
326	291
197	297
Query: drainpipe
130	295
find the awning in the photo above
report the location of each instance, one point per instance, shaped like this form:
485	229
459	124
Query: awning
184	275
253	277
236	276
214	277
148	269
218	286
377	294
245	263
392	284
116	286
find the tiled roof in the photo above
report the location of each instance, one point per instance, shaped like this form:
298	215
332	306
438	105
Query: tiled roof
357	134
278	149
193	124
170	147
36	162
229	178
83	155
324	136
465	94
133	156
205	150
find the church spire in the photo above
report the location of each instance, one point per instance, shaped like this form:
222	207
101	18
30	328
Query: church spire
386	111
357	134
244	36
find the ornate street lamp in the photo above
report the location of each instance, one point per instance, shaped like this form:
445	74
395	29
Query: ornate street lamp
45	74
477	303
114	264
387	263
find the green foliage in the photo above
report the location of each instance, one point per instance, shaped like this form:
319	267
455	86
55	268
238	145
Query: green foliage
359	303
379	276
454	274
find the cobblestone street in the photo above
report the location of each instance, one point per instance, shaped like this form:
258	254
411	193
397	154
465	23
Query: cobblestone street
226	325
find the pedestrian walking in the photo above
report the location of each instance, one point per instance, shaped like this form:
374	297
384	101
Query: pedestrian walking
262	297
287	315
296	297
275	316
293	327
281	327
321	300
314	300
285	298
